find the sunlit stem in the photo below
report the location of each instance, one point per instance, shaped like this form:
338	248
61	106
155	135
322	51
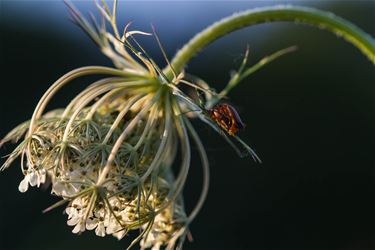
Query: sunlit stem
104	99
121	115
242	73
81	106
106	12
124	134
206	171
197	87
148	126
120	85
127	86
57	204
140	236
162	147
186	158
92	88
321	19
90	70
91	204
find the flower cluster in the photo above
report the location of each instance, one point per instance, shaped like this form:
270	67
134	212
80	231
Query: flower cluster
109	153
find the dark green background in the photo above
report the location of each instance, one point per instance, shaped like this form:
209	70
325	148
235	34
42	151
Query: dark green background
309	115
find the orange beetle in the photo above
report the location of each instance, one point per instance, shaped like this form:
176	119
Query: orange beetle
226	117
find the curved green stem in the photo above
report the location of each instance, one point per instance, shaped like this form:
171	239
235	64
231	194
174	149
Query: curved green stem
314	17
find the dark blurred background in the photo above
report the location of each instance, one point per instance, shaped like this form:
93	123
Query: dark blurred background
310	117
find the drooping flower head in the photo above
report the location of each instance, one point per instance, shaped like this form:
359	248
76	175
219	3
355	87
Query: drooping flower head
109	153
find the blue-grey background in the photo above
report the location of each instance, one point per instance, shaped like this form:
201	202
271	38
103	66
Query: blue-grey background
309	115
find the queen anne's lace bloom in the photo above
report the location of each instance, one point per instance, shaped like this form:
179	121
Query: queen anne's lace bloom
33	178
109	153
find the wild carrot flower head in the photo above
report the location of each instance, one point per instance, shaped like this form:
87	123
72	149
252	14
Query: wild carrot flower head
109	153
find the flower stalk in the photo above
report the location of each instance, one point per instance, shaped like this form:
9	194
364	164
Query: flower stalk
296	14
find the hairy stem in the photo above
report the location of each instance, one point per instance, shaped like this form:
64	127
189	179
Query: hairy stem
314	17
